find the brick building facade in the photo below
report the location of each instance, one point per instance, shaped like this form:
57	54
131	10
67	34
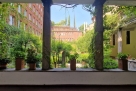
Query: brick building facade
65	33
32	20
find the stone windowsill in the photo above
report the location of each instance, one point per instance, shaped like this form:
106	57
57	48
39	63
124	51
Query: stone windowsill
64	76
64	70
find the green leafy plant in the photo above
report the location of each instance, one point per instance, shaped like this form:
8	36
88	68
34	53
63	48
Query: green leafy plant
33	56
74	56
110	63
4	61
20	54
38	57
83	57
122	56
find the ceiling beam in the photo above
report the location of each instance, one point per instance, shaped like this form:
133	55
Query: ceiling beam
108	2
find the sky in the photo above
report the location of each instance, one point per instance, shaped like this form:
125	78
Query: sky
58	14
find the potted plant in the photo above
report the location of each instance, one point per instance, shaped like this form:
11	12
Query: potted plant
19	59
4	54
32	58
122	61
4	62
72	59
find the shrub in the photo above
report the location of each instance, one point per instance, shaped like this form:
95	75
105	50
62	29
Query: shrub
110	63
4	61
122	56
83	57
20	54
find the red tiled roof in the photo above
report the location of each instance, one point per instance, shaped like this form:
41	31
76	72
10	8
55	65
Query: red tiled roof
64	28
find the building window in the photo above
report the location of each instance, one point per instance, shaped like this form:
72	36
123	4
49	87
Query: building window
18	23
30	5
36	22
19	8
127	37
39	16
29	16
113	39
11	20
25	13
33	20
36	12
33	9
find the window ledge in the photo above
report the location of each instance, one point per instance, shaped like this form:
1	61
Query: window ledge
64	77
61	70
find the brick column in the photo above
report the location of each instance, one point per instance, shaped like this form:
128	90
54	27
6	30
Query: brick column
46	51
99	34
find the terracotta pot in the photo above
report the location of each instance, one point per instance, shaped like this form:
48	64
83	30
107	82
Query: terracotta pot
73	64
19	63
123	64
3	66
32	66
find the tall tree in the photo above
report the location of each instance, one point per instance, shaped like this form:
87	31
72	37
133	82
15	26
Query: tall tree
61	23
69	20
52	23
65	20
74	21
81	28
98	12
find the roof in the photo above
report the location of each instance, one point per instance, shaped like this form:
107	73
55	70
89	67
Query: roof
109	2
64	29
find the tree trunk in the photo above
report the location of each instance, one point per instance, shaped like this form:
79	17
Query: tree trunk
58	60
54	61
63	58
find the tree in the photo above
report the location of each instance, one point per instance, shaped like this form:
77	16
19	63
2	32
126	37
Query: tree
74	21
52	23
58	48
5	30
65	51
81	28
66	21
83	43
69	20
98	38
61	23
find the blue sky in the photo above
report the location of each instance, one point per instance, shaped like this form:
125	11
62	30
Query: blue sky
58	14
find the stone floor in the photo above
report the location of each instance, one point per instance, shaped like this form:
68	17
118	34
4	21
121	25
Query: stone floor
62	70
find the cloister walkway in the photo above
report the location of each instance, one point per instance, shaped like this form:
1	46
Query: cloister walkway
79	78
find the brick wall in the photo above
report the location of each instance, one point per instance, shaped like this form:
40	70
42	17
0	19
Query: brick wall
65	33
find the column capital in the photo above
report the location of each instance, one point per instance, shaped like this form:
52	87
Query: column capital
99	2
46	2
